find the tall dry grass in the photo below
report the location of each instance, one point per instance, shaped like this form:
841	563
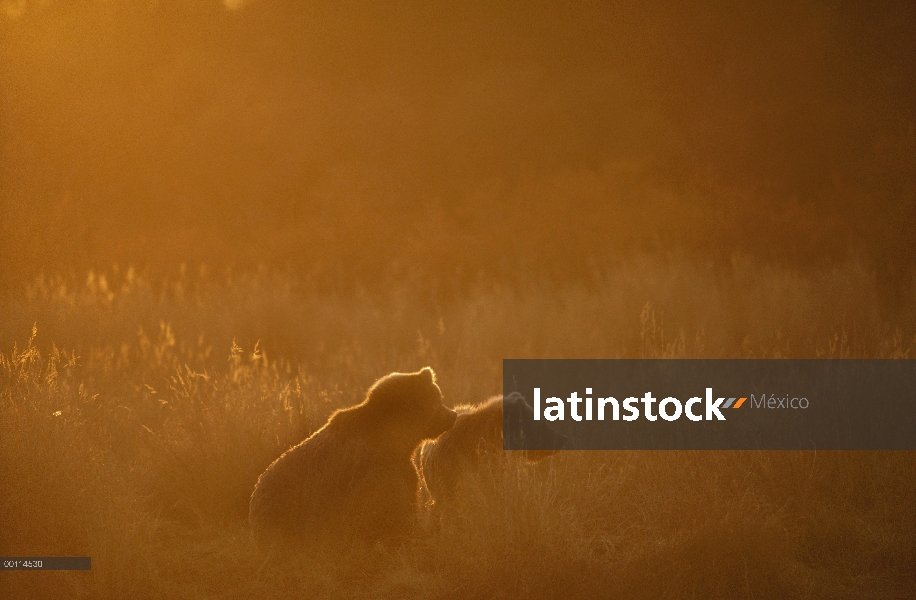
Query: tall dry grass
139	444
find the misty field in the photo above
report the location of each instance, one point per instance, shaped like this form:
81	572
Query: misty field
316	194
136	415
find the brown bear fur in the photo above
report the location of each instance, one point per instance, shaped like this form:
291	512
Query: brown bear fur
472	446
353	479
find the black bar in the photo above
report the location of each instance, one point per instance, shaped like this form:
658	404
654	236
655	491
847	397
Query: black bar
45	563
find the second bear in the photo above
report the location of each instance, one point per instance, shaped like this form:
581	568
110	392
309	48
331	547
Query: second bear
475	445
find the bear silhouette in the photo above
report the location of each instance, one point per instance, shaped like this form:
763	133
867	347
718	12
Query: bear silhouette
474	444
354	478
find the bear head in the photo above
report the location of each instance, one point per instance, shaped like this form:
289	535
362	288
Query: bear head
407	408
521	430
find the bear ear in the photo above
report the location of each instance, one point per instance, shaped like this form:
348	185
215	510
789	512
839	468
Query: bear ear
428	375
518	402
515	397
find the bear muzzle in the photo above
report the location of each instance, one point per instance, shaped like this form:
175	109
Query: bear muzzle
444	421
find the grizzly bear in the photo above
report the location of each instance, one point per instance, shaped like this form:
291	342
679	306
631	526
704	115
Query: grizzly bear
354	478
474	445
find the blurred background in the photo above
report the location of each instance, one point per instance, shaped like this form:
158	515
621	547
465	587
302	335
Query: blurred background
221	221
451	143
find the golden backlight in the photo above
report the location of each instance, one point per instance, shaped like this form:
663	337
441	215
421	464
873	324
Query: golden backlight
327	192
